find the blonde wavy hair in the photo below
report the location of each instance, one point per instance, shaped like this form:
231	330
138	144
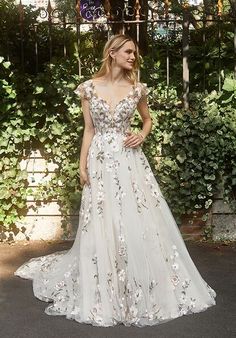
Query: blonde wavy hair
114	44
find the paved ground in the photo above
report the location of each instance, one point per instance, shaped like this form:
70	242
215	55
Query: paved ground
22	315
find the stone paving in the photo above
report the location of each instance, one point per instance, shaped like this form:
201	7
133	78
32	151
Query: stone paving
22	315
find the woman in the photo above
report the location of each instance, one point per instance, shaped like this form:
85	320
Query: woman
128	263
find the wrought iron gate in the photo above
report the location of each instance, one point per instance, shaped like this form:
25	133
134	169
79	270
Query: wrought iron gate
159	20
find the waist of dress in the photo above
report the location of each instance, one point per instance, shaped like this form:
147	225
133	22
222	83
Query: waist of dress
113	131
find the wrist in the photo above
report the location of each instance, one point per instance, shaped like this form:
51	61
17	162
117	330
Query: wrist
142	136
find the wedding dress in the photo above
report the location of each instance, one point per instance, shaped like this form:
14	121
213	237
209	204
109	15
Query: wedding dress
129	263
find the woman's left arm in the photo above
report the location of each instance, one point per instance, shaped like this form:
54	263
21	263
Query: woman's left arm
133	140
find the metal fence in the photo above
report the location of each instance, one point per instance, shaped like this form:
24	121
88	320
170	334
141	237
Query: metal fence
150	23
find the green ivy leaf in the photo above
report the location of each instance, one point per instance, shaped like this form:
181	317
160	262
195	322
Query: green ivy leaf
6	64
229	85
38	90
181	157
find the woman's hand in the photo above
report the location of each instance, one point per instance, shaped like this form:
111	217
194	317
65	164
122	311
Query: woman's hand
84	177
133	140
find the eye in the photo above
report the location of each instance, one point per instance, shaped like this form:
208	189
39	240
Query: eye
131	51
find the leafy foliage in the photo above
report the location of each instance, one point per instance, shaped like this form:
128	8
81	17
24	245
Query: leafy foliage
12	139
190	152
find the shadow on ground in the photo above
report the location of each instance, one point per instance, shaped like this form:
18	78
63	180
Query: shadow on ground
22	315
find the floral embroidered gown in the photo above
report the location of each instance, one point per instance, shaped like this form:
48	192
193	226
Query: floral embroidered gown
128	263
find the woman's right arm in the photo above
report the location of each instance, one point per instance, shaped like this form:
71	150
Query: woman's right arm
87	139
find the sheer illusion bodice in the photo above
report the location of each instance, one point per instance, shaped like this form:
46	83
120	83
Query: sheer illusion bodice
107	119
110	109
128	263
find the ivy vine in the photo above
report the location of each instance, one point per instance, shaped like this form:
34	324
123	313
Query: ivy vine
190	151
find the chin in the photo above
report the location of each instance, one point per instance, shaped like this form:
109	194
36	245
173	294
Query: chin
129	67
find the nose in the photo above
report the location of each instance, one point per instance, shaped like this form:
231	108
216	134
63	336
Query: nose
132	56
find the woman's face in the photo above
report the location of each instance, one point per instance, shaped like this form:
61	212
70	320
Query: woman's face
125	56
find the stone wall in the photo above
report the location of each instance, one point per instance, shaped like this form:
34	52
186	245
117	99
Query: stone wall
223	219
42	222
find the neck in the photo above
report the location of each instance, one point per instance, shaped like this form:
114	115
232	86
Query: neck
116	75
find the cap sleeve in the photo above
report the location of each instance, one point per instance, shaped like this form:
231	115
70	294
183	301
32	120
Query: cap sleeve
143	90
83	90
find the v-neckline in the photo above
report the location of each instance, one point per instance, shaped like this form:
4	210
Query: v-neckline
131	91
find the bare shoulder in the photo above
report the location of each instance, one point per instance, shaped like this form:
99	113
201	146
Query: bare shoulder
99	80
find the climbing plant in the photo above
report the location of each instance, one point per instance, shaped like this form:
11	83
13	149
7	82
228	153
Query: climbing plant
13	136
189	151
197	147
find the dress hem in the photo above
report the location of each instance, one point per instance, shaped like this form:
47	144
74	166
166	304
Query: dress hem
116	321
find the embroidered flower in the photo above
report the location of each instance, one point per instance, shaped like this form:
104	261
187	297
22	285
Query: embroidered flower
133	311
182	311
154	193
92	153
115	146
183	298
138	295
100	184
100	196
60	285
122	251
121	275
149	176
99	143
95	259
109	166
75	311
175	266
108	155
96	310
140	196
176	254
186	283
86	218
150	316
192	303
175	280
121	238
122	193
